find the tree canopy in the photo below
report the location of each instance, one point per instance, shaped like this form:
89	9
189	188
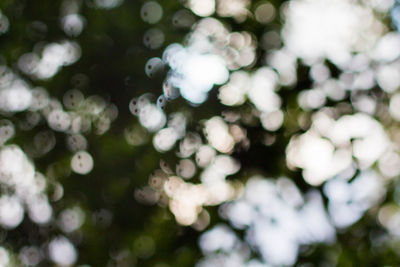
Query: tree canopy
199	133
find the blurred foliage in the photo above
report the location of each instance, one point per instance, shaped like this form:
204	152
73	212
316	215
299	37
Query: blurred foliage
118	230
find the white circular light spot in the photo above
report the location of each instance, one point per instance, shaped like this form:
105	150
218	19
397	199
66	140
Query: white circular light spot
203	8
183	19
205	155
151	12
59	120
152	118
72	99
82	162
161	102
40	210
265	13
72	24
76	142
165	139
186	168
4	257
11	212
71	219
272	121
153	66
153	38
62	252
170	92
